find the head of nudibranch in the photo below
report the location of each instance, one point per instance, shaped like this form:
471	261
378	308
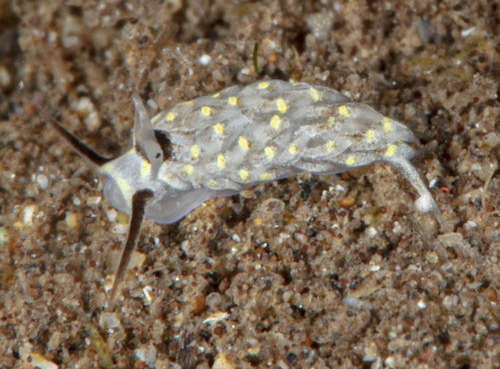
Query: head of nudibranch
133	185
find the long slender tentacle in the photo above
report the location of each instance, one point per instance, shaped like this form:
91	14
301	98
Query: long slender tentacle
139	202
82	149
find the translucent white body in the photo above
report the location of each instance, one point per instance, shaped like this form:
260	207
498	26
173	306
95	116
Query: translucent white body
226	142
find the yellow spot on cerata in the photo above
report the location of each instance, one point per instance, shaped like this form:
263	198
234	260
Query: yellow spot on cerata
269	152
330	146
233	100
219	129
370	135
195	151
216	95
263	85
293	149
243	142
212	183
221	161
265	176
145	167
258	221
387	125
295	83
206	111
331	122
244	174
281	105
166	178
275	121
188	169
170	117
351	160
391	150
344	111
314	94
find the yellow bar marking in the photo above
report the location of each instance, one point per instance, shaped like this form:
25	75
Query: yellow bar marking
108	167
281	105
370	135
275	121
293	149
243	142
351	160
155	118
344	111
233	100
244	174
188	169
315	95
269	152
125	188
391	150
263	85
216	95
206	111
170	117
330	146
145	168
221	161
219	129
212	183
265	176
195	151
387	125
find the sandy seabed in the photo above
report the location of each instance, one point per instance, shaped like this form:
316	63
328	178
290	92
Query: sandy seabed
306	272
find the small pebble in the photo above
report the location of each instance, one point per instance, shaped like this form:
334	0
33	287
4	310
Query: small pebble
4	235
72	221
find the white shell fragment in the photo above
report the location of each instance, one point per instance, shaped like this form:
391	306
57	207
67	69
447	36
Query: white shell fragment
216	317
